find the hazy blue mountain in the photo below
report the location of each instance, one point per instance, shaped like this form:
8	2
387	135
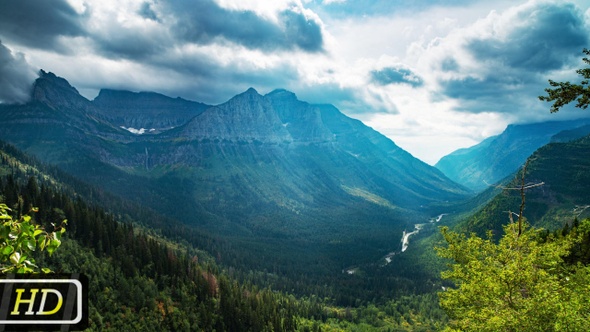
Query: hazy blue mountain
499	156
571	134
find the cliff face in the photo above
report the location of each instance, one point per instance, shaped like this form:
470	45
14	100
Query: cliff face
146	110
303	121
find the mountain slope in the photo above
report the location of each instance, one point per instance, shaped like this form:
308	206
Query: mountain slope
497	157
273	174
565	195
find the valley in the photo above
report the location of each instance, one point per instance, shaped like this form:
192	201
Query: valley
272	195
295	191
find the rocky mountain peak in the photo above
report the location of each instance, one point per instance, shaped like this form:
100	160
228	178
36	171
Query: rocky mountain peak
56	81
282	94
251	90
246	117
57	93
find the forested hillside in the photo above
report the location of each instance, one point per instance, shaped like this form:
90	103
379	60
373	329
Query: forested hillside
562	168
148	272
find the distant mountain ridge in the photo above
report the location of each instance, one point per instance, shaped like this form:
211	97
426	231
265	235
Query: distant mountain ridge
499	156
145	109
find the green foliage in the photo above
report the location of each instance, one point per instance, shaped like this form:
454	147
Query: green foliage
521	283
566	92
20	238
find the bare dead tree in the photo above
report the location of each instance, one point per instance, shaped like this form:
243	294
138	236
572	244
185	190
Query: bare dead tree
522	188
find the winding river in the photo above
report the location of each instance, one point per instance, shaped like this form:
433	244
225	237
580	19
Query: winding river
405	242
417	228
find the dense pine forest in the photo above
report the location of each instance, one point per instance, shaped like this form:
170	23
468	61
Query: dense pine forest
148	272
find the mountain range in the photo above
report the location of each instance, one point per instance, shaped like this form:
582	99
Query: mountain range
272	169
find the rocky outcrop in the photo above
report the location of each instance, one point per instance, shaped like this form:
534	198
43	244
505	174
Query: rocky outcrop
303	121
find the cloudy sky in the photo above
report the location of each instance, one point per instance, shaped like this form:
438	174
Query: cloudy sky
433	76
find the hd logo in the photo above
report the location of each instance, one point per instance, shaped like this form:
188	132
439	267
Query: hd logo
43	302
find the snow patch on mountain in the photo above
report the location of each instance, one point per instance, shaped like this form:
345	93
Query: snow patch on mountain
140	131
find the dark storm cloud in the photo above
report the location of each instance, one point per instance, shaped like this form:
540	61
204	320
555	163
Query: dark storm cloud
129	44
39	23
300	31
16	77
552	35
206	80
493	93
391	75
205	22
514	66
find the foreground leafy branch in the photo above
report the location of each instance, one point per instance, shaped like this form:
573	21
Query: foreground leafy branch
564	93
518	284
20	238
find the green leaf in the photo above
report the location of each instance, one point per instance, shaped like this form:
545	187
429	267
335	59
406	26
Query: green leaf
31	245
42	244
53	244
29	263
7	250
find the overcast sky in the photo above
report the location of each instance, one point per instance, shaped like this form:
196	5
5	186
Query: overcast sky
433	76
